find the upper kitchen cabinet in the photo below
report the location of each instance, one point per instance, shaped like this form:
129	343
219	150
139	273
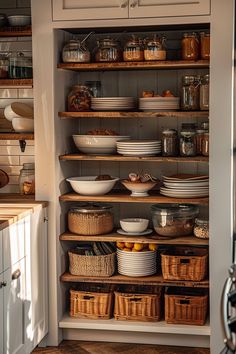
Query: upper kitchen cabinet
115	9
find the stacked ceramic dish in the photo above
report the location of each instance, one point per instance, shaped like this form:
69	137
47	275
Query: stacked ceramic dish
113	103
21	115
137	264
139	147
159	103
185	186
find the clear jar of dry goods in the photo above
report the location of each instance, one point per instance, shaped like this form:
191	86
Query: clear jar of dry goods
201	228
190	93
27	179
170	142
199	139
204	93
187	144
190	46
133	50
91	219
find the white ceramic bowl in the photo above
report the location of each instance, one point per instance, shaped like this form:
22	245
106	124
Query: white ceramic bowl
134	224
24	125
98	144
88	186
138	189
18	110
19	20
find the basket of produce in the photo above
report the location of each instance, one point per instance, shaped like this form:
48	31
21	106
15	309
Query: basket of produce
139	303
90	301
97	260
186	306
184	264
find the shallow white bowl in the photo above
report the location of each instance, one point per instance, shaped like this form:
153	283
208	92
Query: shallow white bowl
134	224
88	186
98	144
24	125
19	20
138	189
18	110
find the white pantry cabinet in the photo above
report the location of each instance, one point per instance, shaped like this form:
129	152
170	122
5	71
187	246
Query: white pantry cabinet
115	9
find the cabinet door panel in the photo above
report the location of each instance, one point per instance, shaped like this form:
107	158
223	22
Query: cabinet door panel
1	315
13	244
163	8
92	9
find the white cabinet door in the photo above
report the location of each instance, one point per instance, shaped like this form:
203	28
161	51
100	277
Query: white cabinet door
89	9
168	8
1	314
13	244
15	310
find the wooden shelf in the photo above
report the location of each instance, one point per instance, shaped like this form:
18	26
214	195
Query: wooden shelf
111	115
122	279
120	158
16	136
16	82
152	238
122	197
17	31
174	64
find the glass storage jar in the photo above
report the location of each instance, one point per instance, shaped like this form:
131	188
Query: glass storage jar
190	93
96	219
205	144
201	228
20	66
4	63
108	50
75	52
169	142
95	87
190	46
133	50
79	99
27	179
205	45
187	143
154	48
204	93
199	139
173	220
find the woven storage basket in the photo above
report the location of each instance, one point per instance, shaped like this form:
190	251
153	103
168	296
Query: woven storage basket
91	304
186	307
138	306
94	266
184	264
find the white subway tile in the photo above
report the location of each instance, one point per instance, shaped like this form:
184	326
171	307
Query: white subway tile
10	188
8	93
11	170
9	160
15	150
26	159
25	93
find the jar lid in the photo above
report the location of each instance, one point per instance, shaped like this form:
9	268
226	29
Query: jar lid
190	79
205	34
169	131
200	131
108	42
205	125
28	166
192	34
170	209
202	221
91	208
187	133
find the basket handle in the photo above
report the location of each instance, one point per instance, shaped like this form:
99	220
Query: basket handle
184	261
135	299
87	297
184	302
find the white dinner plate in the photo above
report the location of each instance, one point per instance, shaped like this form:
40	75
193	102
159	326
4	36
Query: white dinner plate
199	186
146	232
132	274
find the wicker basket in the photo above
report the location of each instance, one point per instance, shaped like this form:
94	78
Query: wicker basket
94	266
91	304
186	307
138	306
184	264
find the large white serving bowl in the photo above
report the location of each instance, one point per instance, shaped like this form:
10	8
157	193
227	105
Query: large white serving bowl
18	110
19	20
23	125
88	186
134	224
98	144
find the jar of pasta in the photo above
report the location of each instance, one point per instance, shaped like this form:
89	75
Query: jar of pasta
190	46
205	45
79	99
133	50
95	219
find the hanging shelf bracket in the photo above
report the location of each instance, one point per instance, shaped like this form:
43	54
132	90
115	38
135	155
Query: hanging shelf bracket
22	145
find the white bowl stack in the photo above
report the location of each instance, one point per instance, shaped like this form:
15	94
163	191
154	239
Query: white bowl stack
21	115
137	264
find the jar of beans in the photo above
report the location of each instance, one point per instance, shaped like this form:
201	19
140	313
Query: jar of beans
169	142
201	228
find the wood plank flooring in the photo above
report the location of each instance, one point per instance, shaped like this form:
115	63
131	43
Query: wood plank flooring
78	347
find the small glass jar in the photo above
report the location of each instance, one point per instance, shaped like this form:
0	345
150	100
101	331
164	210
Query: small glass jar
133	50
154	48
199	139
27	179
204	93
75	52
201	228
108	50
95	87
91	219
205	144
205	45
187	143
20	66
79	99
4	63
190	93
170	142
190	46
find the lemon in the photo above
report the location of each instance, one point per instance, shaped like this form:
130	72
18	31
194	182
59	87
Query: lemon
120	245
152	247
138	246
129	245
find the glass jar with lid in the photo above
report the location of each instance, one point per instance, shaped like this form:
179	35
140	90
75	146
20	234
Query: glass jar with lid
170	142
95	87
95	219
133	50
205	144
204	93
190	93
190	46
75	51
79	99
4	63
201	227
199	139
187	143
205	45
27	179
154	48
20	66
108	50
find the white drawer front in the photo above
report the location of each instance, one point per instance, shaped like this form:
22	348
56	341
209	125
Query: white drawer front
13	243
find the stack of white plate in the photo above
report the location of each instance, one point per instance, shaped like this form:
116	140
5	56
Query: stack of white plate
137	264
139	147
113	103
185	186
159	103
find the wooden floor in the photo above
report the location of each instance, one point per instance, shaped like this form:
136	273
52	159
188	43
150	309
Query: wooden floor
76	347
